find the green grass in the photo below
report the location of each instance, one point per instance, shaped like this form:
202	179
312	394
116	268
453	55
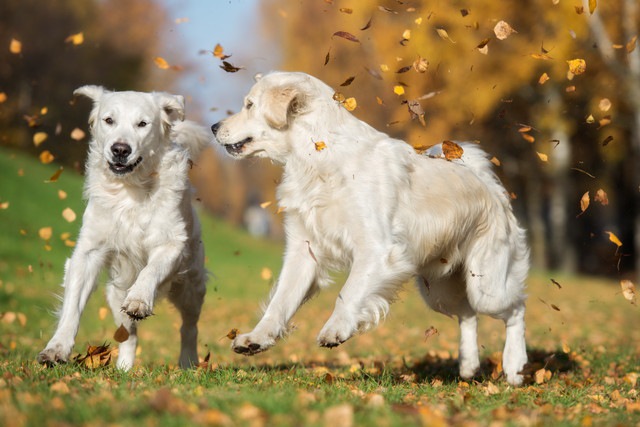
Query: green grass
589	344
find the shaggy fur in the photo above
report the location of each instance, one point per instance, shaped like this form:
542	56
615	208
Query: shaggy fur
367	203
139	222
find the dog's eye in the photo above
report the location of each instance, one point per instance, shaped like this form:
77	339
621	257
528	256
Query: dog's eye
249	105
142	124
108	121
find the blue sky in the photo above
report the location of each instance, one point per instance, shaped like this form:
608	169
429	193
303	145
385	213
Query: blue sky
235	25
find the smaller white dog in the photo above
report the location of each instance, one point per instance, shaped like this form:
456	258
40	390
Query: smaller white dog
356	199
139	221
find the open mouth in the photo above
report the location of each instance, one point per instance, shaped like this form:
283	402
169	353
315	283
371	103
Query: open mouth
236	148
123	168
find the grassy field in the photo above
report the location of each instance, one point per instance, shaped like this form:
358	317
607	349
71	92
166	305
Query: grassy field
583	338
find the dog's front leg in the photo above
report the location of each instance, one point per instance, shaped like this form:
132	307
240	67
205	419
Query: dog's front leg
295	285
81	273
141	296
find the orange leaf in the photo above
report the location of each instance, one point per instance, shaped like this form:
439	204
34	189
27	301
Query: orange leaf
69	215
320	145
46	157
628	290
3	97
75	39
161	63
577	66
77	134
613	238
601	197
56	175
15	46
39	138
584	201
45	233
451	150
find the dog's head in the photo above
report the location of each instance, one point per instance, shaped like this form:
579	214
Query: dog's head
274	105
130	128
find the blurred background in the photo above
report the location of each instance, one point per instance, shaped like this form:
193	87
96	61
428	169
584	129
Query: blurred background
551	88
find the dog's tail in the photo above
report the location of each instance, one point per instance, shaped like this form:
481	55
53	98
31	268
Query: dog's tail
191	136
476	159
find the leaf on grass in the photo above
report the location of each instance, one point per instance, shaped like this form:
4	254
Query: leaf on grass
613	238
416	111
348	81
577	66
96	357
69	215
347	36
161	63
121	334
430	332
628	291
39	138
584	202
75	39
601	197
45	233
15	46
229	68
443	34
451	150
266	273
503	30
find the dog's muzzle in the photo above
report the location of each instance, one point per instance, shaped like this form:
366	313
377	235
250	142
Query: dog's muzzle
235	149
120	154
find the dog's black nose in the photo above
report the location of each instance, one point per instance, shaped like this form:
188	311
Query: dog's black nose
120	150
215	127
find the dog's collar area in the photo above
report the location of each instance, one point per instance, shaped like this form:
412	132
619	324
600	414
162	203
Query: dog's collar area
121	168
237	147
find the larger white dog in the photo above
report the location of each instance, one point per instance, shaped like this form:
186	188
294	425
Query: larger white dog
356	199
138	221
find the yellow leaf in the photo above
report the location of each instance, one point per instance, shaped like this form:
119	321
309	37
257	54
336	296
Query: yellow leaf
495	161
577	66
320	145
542	157
266	204
44	111
584	201
46	157
591	119
45	233
592	6
75	39
443	34
62	194
503	30
628	290
102	313
613	238
543	78
451	150
218	51
69	243
384	67
418	21
604	104
3	97
15	46
398	90
406	34
4	205
161	63
69	215
77	134
350	104
266	274
39	138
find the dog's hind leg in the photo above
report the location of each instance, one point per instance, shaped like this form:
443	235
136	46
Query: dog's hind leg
514	356
127	348
188	299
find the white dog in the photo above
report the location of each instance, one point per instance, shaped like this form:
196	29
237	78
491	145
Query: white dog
356	199
138	222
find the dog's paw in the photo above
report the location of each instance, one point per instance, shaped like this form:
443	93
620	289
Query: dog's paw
137	309
51	356
335	333
249	344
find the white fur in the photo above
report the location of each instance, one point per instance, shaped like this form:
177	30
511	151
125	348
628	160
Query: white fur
138	223
368	203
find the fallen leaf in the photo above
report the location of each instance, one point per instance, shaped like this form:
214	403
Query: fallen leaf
601	197
77	134
577	66
96	357
69	215
347	36
320	145
15	46
75	39
229	68
613	238
60	387
628	290
443	34
502	30
451	150
45	233
161	63
584	202
121	334
39	138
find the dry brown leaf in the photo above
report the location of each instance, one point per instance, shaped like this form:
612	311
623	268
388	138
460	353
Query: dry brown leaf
451	150
555	282
502	30
346	10
601	197
348	81
628	290
607	140
96	357
121	334
346	35
232	334
367	25
229	68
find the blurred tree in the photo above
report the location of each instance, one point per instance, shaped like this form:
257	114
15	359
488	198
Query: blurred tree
508	86
118	41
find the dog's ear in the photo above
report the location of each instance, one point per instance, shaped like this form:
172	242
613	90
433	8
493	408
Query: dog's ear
94	93
284	104
172	108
